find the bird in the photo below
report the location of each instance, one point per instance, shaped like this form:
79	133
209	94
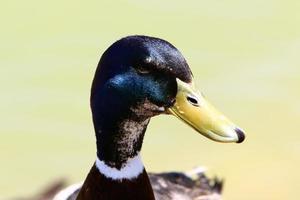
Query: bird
139	77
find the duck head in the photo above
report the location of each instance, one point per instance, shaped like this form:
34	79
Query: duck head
139	77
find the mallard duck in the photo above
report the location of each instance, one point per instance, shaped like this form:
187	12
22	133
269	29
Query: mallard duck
139	77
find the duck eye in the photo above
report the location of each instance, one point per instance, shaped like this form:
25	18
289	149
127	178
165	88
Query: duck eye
192	100
143	70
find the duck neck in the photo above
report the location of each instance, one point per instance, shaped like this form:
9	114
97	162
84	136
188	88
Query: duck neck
120	141
118	172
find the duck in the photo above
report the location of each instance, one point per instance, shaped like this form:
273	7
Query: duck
139	77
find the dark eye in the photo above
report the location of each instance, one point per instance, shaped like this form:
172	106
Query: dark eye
192	100
142	70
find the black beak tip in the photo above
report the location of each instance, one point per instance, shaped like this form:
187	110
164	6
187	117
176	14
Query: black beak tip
241	135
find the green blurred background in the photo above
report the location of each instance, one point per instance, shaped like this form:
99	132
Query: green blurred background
244	54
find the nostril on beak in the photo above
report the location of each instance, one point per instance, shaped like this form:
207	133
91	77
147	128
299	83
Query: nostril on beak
192	100
240	134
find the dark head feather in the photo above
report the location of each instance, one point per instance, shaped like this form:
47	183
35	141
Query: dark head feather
141	52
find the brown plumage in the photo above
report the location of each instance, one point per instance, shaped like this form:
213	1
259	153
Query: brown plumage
97	186
166	186
170	186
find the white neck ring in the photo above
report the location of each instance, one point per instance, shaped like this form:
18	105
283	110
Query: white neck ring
131	169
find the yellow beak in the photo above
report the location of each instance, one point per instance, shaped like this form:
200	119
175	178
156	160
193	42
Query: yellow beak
192	108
